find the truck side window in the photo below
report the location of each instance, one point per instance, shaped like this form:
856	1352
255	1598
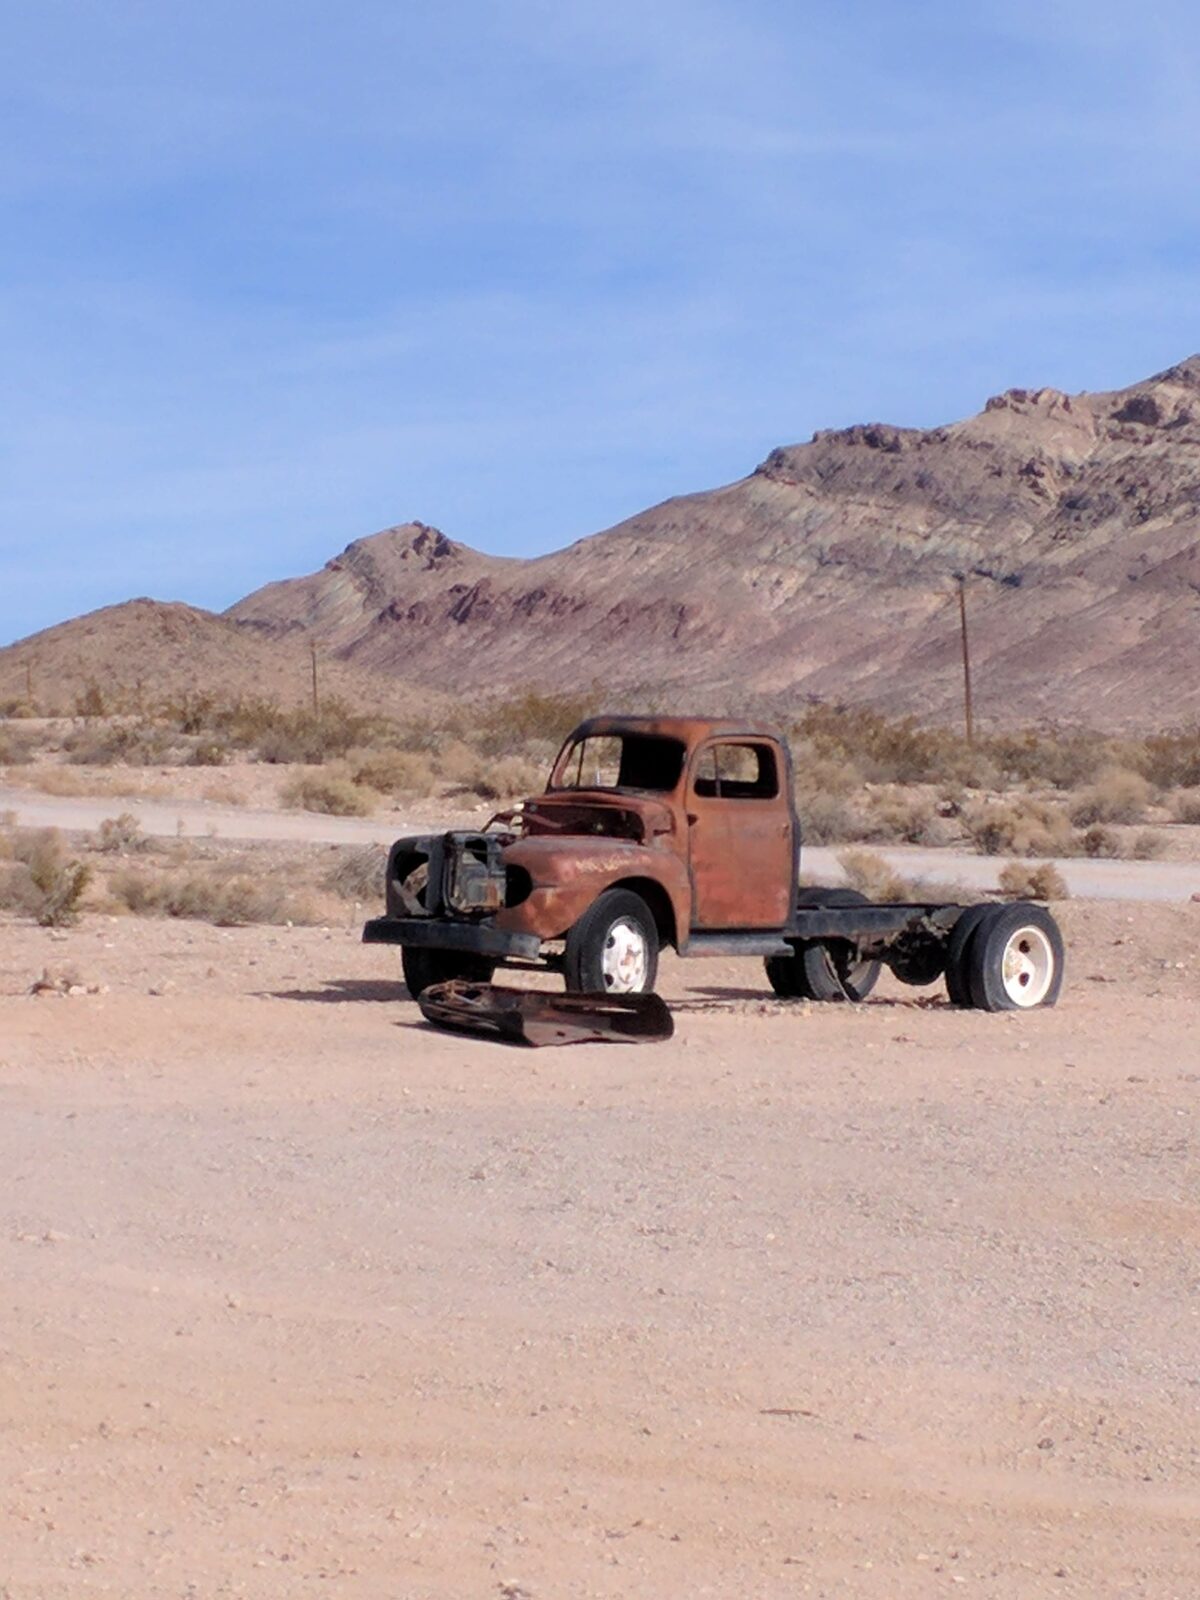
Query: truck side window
737	771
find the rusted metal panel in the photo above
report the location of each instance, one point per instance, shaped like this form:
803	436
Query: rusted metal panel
532	1017
569	872
740	842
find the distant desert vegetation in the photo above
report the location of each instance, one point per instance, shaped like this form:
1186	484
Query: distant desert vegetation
861	779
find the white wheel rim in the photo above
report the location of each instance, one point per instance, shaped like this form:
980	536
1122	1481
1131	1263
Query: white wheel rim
1027	968
623	960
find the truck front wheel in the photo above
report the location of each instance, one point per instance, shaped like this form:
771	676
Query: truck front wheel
423	968
613	948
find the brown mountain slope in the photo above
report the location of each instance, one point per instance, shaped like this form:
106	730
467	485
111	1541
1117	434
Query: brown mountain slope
829	572
147	651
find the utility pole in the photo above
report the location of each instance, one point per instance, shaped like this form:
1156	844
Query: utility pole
316	698
29	683
968	709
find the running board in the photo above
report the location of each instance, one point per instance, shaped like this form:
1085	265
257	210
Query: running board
736	944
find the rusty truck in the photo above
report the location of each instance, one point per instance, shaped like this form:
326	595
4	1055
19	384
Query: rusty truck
682	832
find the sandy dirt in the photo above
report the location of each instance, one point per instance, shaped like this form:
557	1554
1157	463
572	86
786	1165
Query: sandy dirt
302	1297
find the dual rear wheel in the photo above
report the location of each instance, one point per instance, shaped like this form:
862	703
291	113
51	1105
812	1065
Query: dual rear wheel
997	958
1005	958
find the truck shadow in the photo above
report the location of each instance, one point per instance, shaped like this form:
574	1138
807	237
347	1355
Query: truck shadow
703	997
343	991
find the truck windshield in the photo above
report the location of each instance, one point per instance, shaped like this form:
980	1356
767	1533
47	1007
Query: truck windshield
620	761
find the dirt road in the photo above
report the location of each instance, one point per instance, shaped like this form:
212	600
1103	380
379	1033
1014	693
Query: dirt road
303	1298
1096	880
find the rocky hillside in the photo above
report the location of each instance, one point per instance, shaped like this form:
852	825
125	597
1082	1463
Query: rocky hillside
144	652
829	572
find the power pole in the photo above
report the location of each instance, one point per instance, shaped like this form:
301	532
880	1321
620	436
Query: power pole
968	709
316	697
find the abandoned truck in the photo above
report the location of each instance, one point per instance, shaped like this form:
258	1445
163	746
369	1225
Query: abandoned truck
682	831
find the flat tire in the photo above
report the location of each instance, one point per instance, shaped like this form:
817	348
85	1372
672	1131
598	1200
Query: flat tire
1015	959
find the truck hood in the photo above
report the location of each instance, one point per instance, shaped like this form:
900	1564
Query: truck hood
563	858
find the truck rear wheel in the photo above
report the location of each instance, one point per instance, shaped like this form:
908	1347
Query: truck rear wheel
958	975
824	969
423	968
1015	959
613	948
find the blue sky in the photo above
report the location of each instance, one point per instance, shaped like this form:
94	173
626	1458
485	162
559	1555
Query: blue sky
276	275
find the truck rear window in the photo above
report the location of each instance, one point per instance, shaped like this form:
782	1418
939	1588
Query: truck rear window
620	761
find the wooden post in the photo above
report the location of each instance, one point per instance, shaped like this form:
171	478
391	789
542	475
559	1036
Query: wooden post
968	709
315	696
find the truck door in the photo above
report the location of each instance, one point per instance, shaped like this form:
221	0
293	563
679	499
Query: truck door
739	836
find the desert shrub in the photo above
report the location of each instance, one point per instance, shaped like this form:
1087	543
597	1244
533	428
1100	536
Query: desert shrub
17	893
500	726
41	878
871	875
1019	826
116	835
1048	756
208	753
880	750
333	793
509	777
1170	760
228	901
1118	795
825	818
393	771
130	744
1146	845
358	873
309	737
900	814
1023	880
1102	842
1186	807
899	751
821	773
458	763
489	777
301	736
191	713
17	747
90	702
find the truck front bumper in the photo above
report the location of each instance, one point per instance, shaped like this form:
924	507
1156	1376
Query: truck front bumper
434	933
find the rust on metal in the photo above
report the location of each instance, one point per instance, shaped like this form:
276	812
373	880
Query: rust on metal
527	1016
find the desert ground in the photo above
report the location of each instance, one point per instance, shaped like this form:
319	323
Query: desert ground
304	1297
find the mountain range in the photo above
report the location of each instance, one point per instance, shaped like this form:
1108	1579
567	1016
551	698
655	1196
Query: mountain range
830	572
